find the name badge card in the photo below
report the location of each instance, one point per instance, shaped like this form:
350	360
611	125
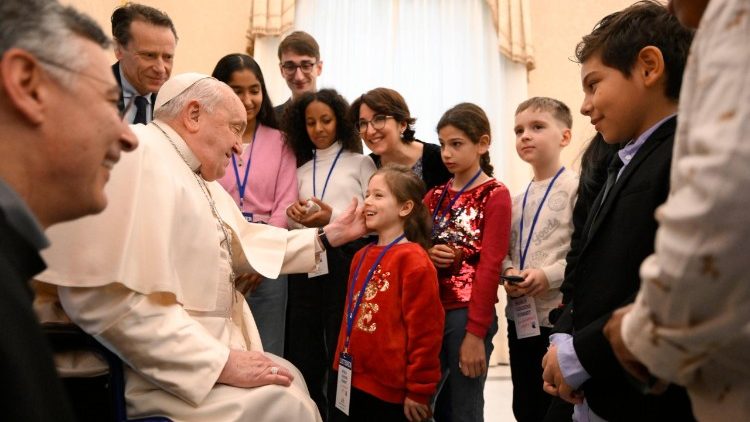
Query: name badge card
524	316
322	268
344	383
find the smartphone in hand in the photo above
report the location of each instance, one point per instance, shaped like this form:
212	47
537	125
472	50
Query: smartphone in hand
312	207
512	279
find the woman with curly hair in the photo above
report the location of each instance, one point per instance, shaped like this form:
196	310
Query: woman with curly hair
262	182
332	170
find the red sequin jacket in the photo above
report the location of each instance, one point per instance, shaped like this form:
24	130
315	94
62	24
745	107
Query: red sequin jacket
479	226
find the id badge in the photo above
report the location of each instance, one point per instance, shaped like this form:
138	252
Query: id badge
344	383
248	216
322	267
524	317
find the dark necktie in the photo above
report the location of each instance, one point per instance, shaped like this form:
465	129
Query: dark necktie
612	171
141	106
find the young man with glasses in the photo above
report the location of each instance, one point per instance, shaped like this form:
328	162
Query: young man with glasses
145	40
300	66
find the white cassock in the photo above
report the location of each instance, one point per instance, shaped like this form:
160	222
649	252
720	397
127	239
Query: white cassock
150	277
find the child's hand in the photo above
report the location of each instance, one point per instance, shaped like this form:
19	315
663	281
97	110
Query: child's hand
471	357
248	282
535	282
512	289
319	218
297	210
442	256
416	412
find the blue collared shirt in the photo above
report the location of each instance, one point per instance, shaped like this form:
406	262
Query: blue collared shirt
631	148
128	92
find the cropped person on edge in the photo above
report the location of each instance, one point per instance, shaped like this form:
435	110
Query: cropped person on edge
61	135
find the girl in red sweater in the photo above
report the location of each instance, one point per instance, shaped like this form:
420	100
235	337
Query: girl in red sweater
390	337
471	224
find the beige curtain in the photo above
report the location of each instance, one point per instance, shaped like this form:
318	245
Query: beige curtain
269	17
512	19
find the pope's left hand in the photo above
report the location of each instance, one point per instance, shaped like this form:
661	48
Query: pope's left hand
348	226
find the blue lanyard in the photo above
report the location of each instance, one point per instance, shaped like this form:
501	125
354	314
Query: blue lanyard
242	185
352	312
436	224
315	160
523	253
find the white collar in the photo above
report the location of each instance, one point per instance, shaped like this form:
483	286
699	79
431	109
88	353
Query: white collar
182	147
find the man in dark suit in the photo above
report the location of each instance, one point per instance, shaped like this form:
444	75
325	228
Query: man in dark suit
300	66
145	40
61	135
631	72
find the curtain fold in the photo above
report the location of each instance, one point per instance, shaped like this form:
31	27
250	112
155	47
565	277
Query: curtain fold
268	18
271	17
512	21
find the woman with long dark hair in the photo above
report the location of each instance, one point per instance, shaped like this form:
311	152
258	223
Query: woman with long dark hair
262	180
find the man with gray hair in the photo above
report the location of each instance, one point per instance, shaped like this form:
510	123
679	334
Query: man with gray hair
157	271
61	134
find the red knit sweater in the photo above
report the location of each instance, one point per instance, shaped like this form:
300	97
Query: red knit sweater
398	330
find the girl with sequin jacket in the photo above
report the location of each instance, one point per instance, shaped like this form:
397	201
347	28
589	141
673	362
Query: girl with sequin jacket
471	225
393	322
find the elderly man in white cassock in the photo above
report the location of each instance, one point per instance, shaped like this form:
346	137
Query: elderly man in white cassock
154	277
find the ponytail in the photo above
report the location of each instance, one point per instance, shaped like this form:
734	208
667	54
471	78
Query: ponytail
418	225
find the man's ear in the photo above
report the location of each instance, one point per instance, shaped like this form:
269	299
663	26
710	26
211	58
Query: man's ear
650	65
406	208
25	84
191	116
119	50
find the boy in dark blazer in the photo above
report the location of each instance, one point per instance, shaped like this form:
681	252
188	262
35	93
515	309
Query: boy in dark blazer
631	71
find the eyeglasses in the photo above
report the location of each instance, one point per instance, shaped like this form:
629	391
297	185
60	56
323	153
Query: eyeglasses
61	66
290	68
377	122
